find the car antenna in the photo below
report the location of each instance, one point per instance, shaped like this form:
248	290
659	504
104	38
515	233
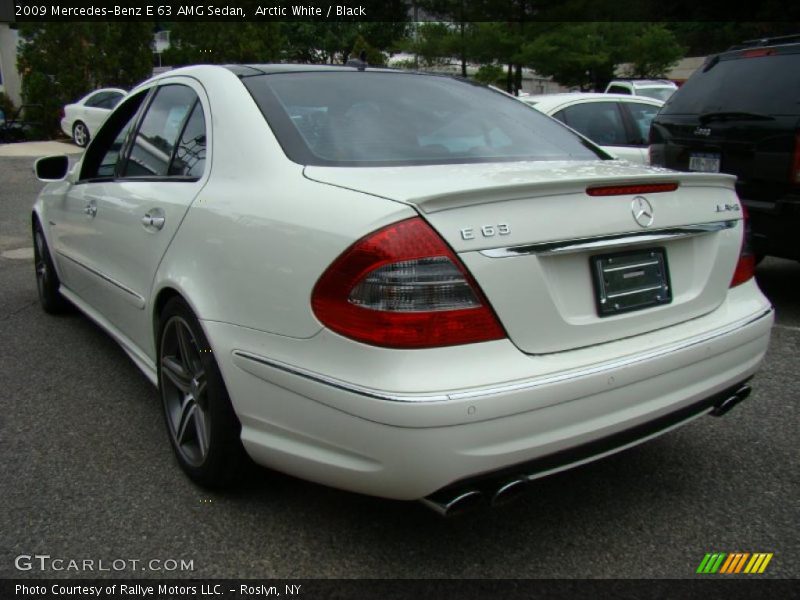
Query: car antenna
360	63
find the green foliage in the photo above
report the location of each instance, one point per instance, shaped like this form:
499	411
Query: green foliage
586	55
491	75
61	62
223	43
653	52
373	55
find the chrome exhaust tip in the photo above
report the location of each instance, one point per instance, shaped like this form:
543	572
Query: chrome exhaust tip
510	491
728	403
454	505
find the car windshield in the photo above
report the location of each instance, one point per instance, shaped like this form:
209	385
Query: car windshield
378	118
659	93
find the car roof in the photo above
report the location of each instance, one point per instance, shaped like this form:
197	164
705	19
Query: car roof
645	82
549	101
252	70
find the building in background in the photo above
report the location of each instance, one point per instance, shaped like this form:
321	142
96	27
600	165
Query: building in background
10	82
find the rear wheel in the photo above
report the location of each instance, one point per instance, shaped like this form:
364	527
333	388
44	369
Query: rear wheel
202	426
80	134
47	282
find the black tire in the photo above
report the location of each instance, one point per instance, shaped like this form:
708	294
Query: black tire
47	281
80	134
203	429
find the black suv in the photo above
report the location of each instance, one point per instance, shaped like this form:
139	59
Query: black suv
740	114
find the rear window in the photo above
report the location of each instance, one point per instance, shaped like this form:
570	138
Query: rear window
373	118
659	93
764	85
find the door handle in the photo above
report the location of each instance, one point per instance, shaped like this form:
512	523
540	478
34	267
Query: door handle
155	221
90	210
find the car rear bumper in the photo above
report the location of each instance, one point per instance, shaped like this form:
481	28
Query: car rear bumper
408	446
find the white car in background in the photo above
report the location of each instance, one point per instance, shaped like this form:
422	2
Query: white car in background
82	119
660	89
619	124
396	283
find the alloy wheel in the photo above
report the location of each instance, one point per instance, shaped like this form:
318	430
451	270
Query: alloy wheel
184	391
81	134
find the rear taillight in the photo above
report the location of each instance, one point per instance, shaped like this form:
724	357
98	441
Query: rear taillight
795	174
746	266
61	113
403	287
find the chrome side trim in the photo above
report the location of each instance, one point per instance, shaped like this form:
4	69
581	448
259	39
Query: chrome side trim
608	241
137	300
509	387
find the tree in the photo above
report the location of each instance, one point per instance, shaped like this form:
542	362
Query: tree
586	55
223	42
60	62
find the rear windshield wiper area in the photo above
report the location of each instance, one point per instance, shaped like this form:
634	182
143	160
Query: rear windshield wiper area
734	116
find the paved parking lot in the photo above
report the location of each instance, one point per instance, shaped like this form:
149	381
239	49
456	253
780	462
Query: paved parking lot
86	473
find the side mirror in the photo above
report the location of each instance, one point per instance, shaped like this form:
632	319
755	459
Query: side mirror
51	168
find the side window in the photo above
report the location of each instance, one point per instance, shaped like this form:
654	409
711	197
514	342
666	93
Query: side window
601	122
97	100
619	89
642	115
190	153
155	141
110	101
104	153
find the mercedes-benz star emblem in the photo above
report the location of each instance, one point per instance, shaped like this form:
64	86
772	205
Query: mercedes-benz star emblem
642	211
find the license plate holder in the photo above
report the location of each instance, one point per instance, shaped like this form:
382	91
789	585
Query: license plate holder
629	281
704	162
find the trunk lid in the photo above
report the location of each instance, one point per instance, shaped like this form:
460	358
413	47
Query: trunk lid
531	235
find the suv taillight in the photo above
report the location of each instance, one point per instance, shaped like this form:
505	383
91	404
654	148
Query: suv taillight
403	287
795	175
746	267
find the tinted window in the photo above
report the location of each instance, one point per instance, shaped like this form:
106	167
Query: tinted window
765	84
103	155
190	153
110	101
601	122
97	99
154	143
373	118
642	115
618	89
658	93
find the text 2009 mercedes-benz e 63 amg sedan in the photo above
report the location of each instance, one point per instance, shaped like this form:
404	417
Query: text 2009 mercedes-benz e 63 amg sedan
395	283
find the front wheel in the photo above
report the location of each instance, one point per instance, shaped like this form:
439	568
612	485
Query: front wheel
47	282
202	426
80	134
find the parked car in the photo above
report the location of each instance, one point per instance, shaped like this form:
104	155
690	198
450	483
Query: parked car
82	119
619	124
740	114
660	89
394	283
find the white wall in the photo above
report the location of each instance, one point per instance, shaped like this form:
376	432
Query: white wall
11	83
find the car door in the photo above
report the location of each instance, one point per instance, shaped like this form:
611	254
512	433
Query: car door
73	218
138	210
602	122
162	172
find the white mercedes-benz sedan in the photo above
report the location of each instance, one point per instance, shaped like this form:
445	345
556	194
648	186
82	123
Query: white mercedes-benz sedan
394	283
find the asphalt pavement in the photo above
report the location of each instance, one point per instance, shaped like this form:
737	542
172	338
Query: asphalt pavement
86	472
